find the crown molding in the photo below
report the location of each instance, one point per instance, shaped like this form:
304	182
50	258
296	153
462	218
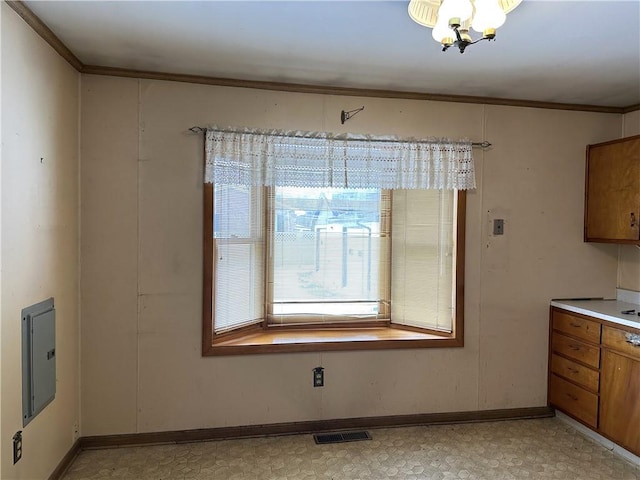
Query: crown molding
47	34
342	91
631	108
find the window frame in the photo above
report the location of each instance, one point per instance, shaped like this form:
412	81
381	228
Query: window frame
263	337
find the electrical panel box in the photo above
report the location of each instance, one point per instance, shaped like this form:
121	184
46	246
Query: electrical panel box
38	358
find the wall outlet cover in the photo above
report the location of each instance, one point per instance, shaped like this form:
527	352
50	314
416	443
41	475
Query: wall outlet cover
318	377
17	446
498	226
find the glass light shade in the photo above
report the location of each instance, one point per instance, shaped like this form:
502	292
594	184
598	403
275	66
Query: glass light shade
489	15
443	34
508	5
424	12
462	9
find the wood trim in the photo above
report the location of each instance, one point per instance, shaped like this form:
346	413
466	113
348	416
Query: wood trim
223	350
45	32
461	216
66	461
631	108
297	428
585	210
207	269
341	91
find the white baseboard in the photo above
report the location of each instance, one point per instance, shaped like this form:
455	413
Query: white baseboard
606	443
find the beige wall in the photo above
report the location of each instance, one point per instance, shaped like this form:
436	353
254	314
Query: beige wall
141	254
629	255
40	119
631	124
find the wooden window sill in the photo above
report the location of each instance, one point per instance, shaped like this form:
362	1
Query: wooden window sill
335	339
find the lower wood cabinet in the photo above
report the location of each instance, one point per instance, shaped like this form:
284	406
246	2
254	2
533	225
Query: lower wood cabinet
620	397
594	375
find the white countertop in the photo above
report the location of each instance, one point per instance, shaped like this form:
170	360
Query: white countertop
609	310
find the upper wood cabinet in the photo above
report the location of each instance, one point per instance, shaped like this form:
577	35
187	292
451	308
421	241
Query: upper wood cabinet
612	196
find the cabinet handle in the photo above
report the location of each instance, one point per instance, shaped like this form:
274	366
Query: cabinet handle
633	339
572	370
634	222
575	348
572	397
577	325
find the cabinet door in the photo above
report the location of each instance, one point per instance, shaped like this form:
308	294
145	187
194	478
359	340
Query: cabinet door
620	400
612	205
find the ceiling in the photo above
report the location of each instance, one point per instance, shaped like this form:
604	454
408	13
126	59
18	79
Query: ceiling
578	52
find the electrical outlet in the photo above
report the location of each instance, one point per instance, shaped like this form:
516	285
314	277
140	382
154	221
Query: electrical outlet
17	446
318	377
75	432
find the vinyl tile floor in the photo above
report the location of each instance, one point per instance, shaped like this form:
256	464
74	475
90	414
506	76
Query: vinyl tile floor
519	449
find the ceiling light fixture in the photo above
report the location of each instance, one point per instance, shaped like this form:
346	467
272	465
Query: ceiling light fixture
451	19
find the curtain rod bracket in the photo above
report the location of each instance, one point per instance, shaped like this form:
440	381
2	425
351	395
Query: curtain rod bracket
344	116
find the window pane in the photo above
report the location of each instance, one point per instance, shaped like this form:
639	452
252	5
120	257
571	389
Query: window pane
423	260
238	256
326	254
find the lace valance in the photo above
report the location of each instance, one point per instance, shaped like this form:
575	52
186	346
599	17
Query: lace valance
306	159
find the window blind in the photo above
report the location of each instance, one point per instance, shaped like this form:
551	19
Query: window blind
238	256
423	253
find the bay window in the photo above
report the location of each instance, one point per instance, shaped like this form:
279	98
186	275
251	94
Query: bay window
350	243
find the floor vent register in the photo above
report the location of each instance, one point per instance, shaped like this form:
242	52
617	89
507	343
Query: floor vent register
341	437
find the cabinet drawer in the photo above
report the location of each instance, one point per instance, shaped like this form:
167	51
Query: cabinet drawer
575	349
622	341
580	374
574	400
576	326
